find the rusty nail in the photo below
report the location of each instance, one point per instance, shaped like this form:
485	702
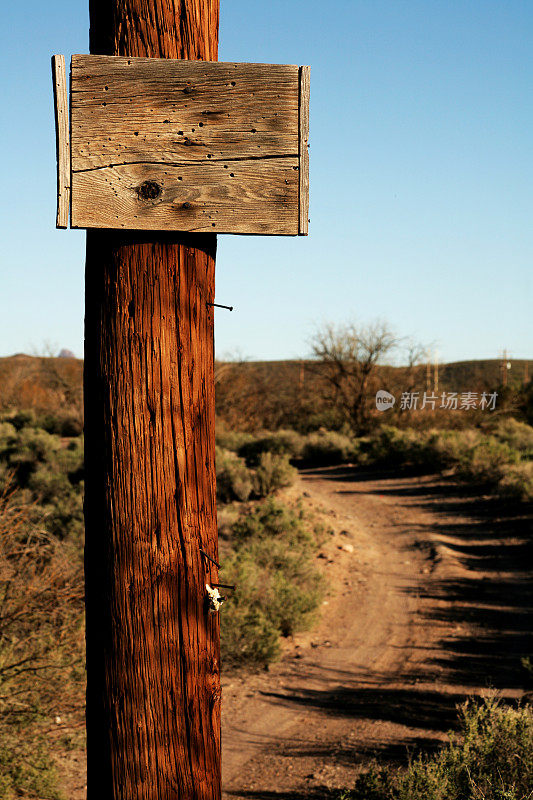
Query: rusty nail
219	305
212	560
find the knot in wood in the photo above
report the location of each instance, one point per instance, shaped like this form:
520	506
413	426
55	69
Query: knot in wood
149	190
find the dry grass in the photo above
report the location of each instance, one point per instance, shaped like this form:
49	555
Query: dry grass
41	651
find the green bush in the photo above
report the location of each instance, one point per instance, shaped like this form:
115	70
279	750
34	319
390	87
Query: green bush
492	758
67	424
517	482
26	767
8	436
325	448
248	637
501	459
48	469
392	447
231	440
277	586
21	419
487	460
273	473
32	447
273	521
452	447
281	443
517	435
234	479
294	597
321	448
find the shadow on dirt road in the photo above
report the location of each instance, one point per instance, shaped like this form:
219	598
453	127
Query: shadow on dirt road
490	606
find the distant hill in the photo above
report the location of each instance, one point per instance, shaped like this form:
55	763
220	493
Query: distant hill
457	376
44	384
272	393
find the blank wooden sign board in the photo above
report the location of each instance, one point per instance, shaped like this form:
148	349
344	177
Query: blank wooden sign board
163	144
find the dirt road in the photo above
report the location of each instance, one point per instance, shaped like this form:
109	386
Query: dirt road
430	603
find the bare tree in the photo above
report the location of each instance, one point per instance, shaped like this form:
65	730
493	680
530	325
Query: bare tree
348	357
416	364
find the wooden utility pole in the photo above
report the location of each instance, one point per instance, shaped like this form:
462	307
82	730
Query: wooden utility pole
153	691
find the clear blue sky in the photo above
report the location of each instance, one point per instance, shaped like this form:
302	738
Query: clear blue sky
421	178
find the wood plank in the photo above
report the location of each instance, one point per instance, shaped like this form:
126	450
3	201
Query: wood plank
305	76
256	197
130	110
220	142
59	79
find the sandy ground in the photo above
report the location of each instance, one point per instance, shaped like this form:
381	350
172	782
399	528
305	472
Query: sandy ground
430	602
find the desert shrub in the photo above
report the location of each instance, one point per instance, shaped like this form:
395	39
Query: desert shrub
320	447
277	586
273	473
492	757
295	594
21	419
66	424
248	637
8	435
323	448
517	435
517	482
273	521
452	447
500	460
281	443
228	439
31	448
234	479
486	460
48	469
26	768
478	457
388	446
392	447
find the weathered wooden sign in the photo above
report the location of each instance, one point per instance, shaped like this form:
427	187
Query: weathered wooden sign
163	144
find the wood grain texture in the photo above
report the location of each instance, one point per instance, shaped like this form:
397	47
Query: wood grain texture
155	28
305	87
226	120
153	711
153	682
243	197
59	81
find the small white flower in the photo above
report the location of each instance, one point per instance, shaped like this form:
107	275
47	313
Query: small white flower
58	720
